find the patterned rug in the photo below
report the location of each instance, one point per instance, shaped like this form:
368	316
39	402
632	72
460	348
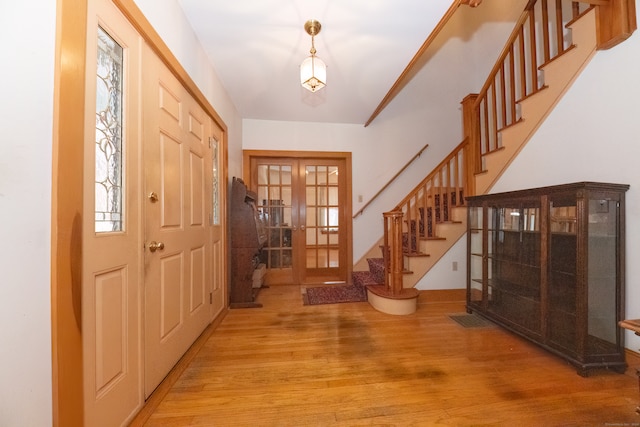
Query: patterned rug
334	295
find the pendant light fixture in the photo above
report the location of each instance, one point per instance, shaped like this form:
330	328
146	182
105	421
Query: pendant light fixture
313	71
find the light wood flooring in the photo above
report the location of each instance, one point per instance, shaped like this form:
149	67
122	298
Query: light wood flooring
348	365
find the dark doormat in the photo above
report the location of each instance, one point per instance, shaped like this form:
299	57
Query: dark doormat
471	320
334	294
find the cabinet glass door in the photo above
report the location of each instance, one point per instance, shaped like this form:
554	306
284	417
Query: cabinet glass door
476	264
514	263
563	271
602	276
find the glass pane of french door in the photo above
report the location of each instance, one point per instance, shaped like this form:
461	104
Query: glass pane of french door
275	203
322	218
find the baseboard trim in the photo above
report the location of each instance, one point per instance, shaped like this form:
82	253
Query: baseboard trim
442	295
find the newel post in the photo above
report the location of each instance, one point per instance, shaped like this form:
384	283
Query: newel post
393	220
472	154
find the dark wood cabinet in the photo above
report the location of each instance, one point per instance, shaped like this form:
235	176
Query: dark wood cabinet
248	236
548	263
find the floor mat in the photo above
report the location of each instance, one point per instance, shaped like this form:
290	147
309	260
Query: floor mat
471	320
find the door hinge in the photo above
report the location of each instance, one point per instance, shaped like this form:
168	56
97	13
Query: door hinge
210	297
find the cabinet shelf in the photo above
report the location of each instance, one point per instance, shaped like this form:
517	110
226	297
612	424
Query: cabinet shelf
545	264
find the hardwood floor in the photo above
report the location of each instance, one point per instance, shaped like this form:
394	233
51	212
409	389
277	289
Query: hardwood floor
346	364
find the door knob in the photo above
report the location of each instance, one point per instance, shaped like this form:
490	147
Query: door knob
302	228
153	196
154	246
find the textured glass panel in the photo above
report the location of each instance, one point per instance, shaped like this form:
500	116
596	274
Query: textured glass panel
108	149
216	189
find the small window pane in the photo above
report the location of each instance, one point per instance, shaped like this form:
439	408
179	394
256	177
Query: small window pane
108	148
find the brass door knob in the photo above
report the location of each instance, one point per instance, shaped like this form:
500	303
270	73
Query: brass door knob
154	246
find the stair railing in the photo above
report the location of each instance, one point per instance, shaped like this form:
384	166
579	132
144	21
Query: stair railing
540	36
384	187
430	202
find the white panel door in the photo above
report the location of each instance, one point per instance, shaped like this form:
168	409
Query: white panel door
111	255
178	210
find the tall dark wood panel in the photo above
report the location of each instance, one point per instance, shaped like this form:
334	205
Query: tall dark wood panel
248	236
548	264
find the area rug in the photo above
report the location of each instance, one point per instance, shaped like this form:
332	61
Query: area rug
470	320
334	294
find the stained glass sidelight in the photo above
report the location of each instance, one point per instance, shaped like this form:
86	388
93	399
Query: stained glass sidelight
216	190
108	148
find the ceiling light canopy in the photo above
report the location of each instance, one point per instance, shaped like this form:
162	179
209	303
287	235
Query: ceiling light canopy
313	71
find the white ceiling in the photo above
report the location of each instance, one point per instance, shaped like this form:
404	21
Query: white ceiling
256	47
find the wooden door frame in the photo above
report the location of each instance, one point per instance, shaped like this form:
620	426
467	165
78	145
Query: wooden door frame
67	187
248	155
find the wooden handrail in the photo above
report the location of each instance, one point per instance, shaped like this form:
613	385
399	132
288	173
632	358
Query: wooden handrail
391	180
433	173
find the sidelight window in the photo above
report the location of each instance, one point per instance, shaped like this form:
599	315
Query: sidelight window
108	143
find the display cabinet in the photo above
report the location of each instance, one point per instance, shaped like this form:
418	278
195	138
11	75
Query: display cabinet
548	264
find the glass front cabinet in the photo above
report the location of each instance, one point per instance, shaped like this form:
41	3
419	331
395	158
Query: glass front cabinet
548	264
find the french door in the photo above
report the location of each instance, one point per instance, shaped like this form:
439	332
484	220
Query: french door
305	203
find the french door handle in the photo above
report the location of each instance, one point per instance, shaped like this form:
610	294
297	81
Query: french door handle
302	228
154	246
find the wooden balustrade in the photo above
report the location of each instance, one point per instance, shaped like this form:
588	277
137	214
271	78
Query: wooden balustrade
540	35
431	201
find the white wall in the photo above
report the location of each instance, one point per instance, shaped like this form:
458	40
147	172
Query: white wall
594	135
26	119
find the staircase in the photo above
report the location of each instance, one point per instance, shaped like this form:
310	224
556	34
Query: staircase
550	45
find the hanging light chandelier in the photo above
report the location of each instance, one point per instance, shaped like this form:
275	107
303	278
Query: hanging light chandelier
313	71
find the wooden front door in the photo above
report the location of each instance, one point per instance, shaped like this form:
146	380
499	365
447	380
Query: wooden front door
178	251
152	220
305	202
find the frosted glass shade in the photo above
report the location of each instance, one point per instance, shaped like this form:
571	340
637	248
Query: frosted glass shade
313	73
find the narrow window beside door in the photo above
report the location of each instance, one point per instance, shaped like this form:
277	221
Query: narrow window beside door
108	180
